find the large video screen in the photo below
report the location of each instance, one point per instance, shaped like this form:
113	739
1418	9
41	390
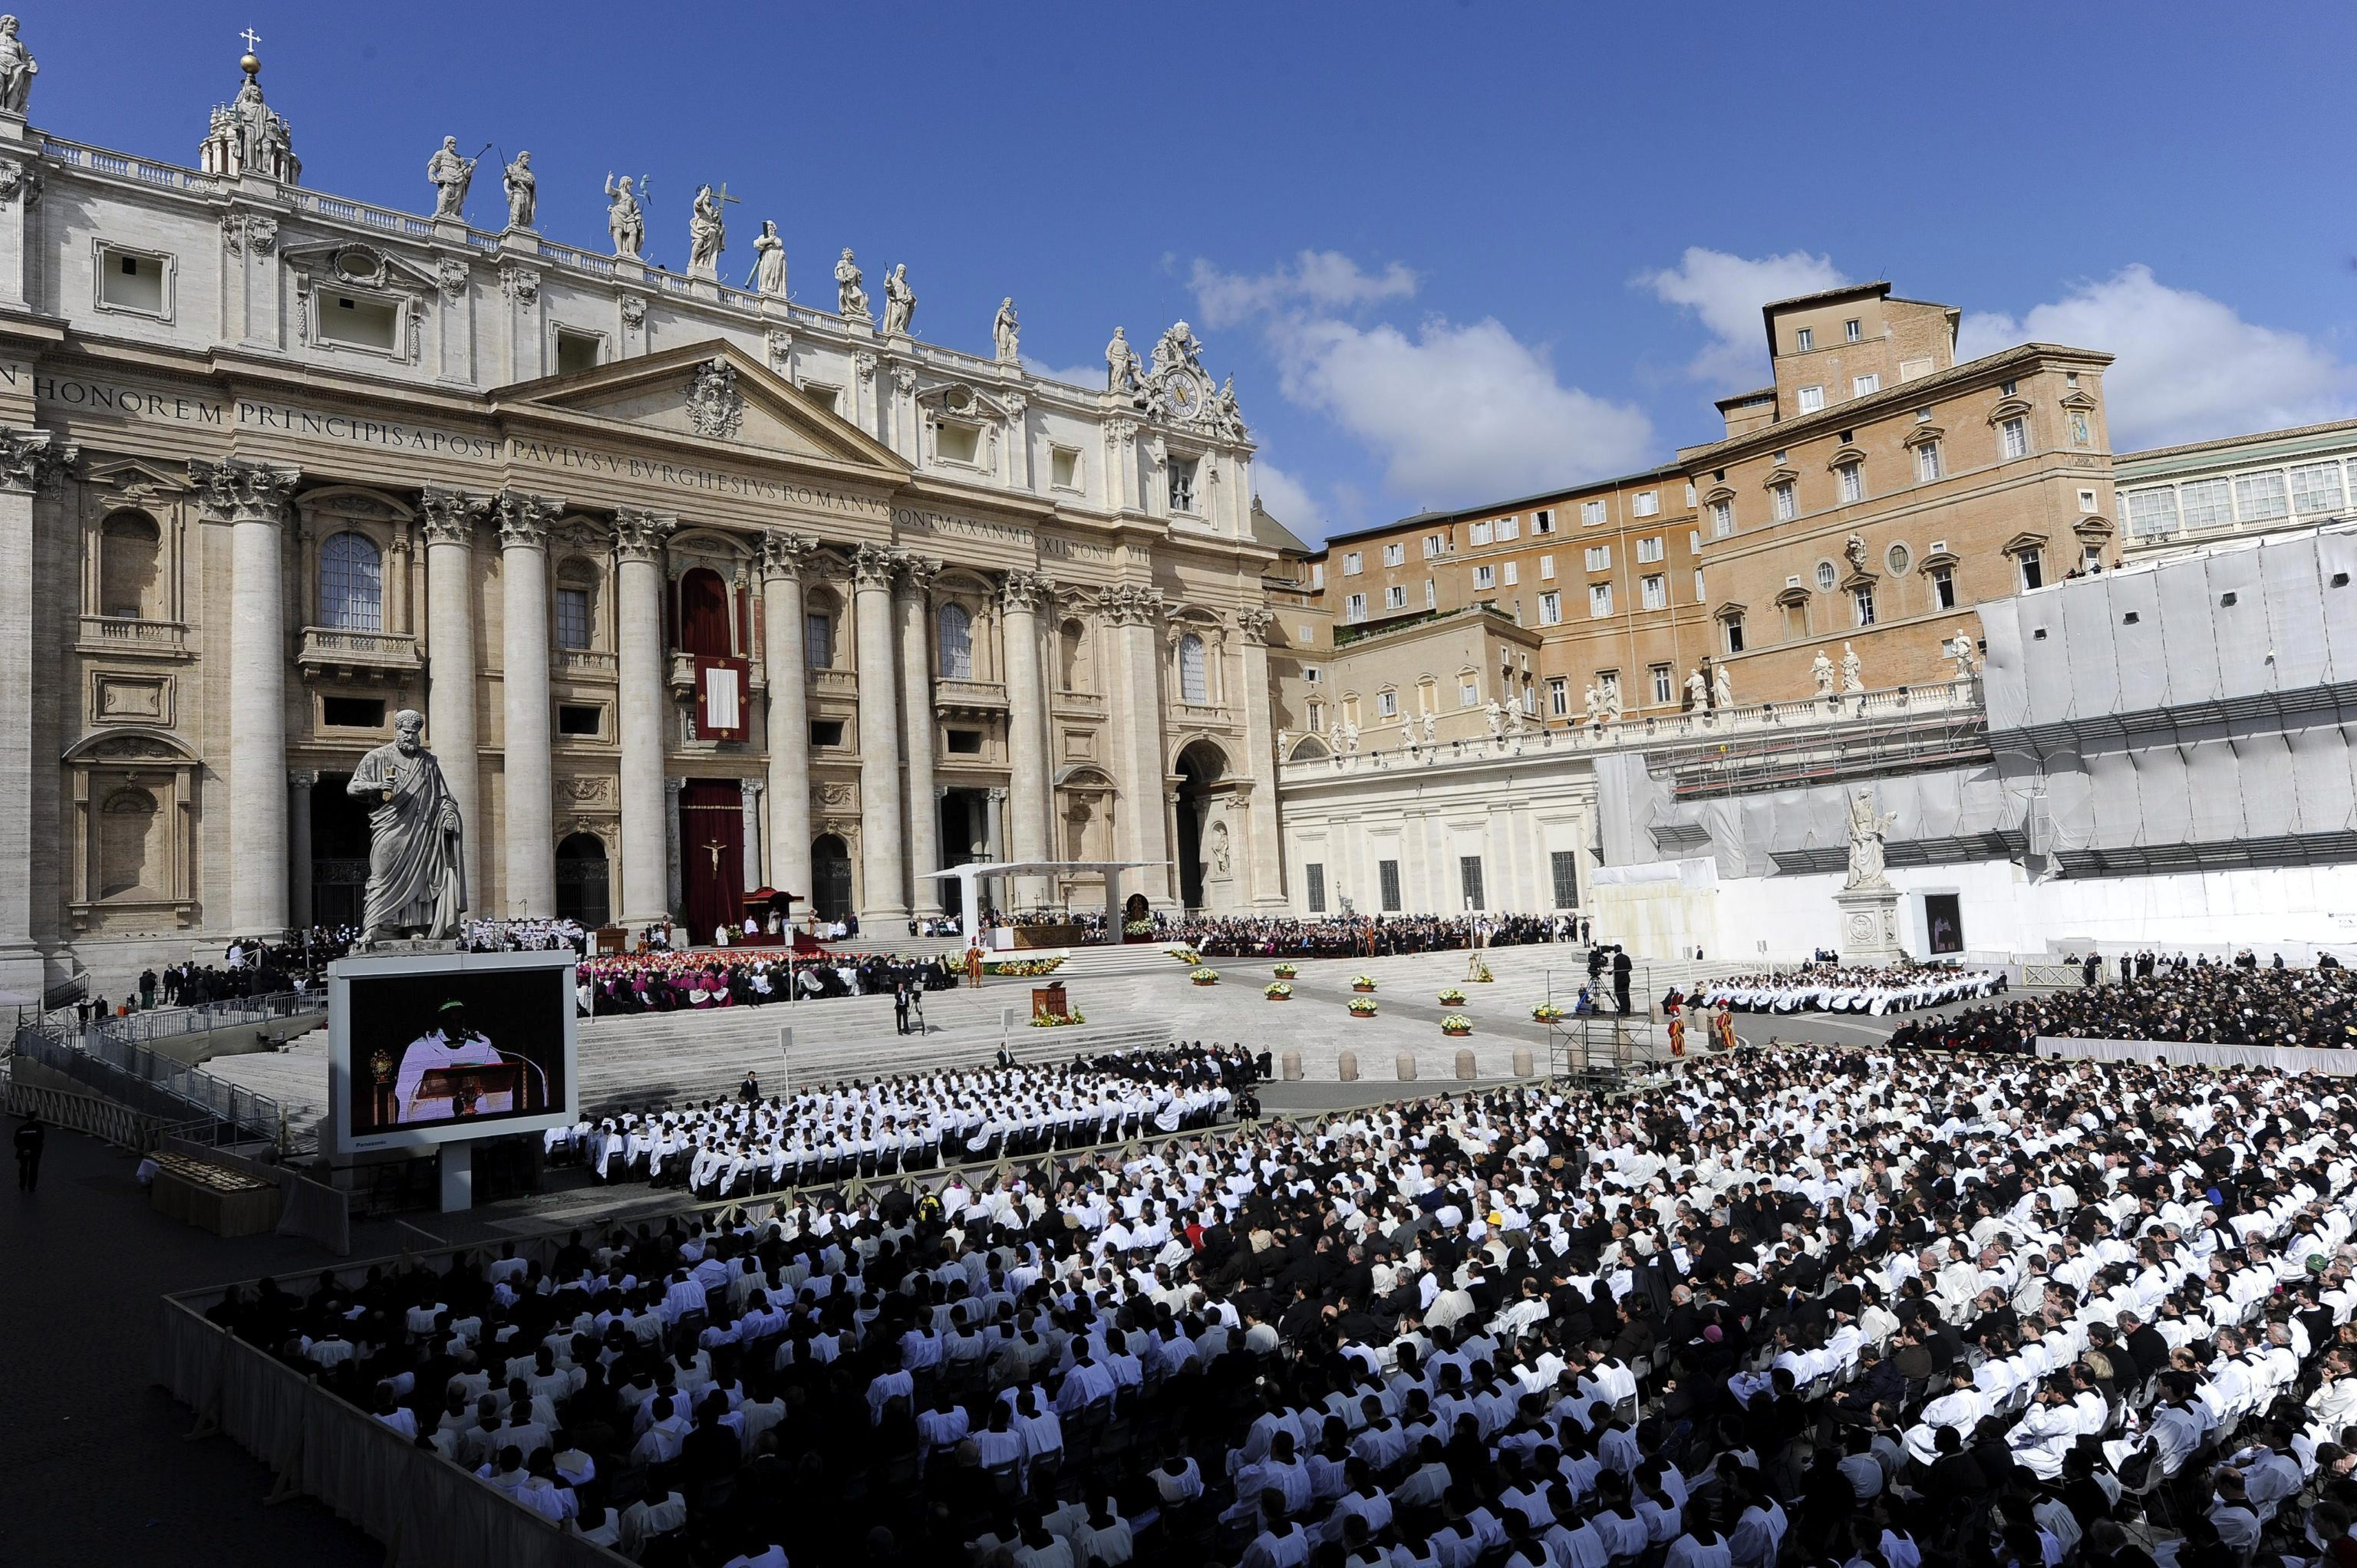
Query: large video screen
429	1048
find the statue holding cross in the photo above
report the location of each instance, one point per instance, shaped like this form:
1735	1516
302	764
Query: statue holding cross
707	232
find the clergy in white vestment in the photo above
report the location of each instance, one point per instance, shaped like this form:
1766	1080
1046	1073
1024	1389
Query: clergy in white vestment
451	1043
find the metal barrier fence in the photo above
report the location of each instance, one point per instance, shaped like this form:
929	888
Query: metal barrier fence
139	1080
227	1013
81	1113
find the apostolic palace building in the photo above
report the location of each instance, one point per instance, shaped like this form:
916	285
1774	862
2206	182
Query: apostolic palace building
700	588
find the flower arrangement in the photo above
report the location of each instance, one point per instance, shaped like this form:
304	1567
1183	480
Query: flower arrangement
1481	971
1456	1023
1362	983
1277	990
1362	1007
1545	1012
1137	929
1024	966
1452	997
1286	972
1205	976
1056	1020
1187	956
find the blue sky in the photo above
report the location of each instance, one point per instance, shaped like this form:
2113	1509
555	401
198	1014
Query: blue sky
1450	252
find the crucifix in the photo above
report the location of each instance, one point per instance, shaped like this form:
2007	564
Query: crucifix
713	848
251	39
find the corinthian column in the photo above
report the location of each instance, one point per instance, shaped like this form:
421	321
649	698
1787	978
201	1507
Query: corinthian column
883	869
528	823
1026	717
30	464
450	520
915	607
1267	856
1136	613
784	650
638	579
251	499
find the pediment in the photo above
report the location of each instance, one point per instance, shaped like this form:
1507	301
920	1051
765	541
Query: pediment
137	478
706	392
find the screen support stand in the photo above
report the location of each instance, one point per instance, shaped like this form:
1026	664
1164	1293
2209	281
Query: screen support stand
458	1176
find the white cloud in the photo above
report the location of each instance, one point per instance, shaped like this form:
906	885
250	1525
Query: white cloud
1458	412
1726	292
1288	500
1320	280
2189	367
1090	376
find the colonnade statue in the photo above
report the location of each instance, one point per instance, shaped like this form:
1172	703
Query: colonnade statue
417	874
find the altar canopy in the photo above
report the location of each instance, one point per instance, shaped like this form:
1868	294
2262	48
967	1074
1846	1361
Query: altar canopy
969	878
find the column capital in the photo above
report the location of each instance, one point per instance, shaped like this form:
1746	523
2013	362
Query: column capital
1253	621
302	777
672	785
997	797
786	555
917	574
752	788
524	519
1024	592
237	490
638	535
33	460
450	516
871	566
1126	604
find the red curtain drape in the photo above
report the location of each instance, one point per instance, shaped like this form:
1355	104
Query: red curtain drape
704	614
712	852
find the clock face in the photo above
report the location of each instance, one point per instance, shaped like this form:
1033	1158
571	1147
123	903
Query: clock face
1184	399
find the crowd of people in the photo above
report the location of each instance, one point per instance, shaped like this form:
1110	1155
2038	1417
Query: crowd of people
1363	936
661	982
2214	1003
1794	1305
522	936
1851	988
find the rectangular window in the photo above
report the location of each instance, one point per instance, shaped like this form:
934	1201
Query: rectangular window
582	719
1387	705
2207	503
1788	506
2259	498
1665	682
2152	513
825	733
1550	609
2087	501
1722	519
1860	386
818	640
1182	478
1853	331
361	322
1803	341
1559	697
1564	863
1354	609
1432	545
1649	550
1479	532
1351	563
1064	467
1927	462
1546	568
1607	682
127	281
1387	885
1599	600
1485	576
572	618
1853	482
2316	488
1733	633
1943	587
1468	693
1394	554
2013	437
1599	557
1542	520
1690	495
1861	606
1513	573
1646	503
1317	576
1316	715
1591	514
1654	592
1811	399
2033	570
1395	596
352	712
1313	876
577	351
1469	881
1509	528
1698	593
1431	594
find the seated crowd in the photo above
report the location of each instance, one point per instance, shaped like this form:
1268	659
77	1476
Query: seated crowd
1363	936
2213	1003
665	982
522	936
1797	1306
1850	988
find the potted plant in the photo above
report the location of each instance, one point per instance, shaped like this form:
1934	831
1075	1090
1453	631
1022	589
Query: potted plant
1481	974
1286	972
1205	976
1362	984
1456	1025
1137	930
1277	990
1187	956
1452	997
1545	1012
1056	1020
1362	1007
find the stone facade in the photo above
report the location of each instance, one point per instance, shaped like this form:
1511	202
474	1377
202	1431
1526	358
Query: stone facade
699	589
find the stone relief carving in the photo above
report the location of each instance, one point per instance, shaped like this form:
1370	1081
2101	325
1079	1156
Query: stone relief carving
451	274
634	311
584	790
714	407
16	181
519	284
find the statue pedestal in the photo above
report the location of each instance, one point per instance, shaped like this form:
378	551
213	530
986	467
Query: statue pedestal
1869	925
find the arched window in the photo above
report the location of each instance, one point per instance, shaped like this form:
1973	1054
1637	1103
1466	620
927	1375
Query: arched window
129	547
1073	656
1194	679
704	614
954	626
351	584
